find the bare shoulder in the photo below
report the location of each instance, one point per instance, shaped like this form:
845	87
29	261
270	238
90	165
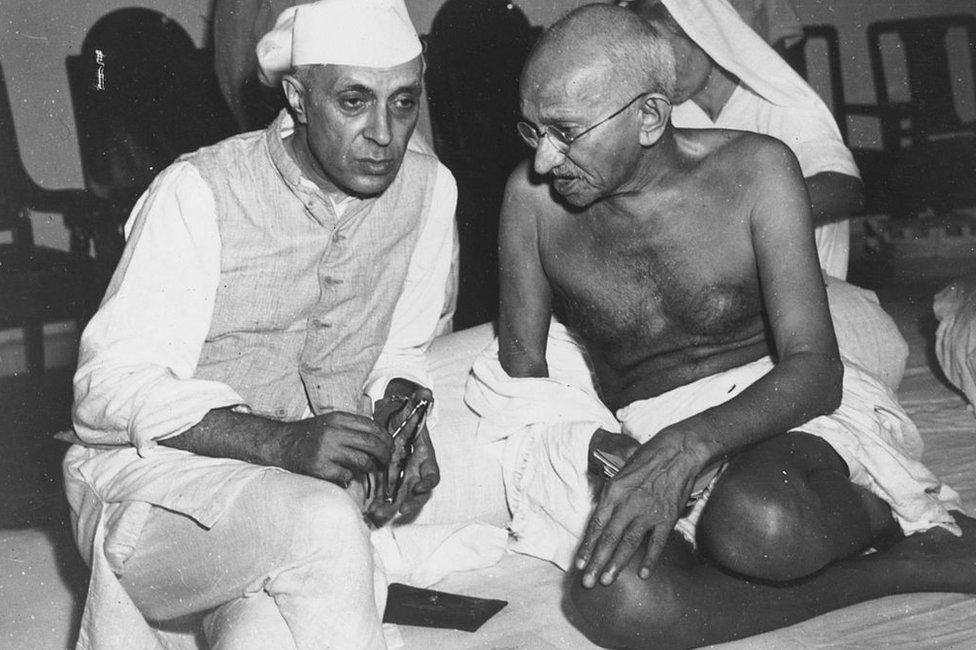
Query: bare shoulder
752	150
764	155
527	194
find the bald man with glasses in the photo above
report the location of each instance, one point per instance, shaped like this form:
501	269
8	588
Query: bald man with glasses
741	467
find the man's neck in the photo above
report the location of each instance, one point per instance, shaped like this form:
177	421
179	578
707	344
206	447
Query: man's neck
713	97
656	165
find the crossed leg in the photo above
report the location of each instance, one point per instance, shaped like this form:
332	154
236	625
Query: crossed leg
289	565
779	542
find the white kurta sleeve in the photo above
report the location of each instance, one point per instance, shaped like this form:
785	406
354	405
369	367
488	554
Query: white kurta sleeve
134	383
426	305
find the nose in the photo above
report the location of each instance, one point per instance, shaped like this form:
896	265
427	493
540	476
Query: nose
378	128
547	157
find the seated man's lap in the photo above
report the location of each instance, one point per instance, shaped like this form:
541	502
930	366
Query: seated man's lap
278	521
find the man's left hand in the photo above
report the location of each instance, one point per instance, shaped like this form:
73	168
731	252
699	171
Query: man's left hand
421	472
646	498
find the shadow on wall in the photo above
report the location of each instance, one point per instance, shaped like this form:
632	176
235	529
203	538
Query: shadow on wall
475	53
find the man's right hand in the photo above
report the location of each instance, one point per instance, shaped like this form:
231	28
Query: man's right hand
335	447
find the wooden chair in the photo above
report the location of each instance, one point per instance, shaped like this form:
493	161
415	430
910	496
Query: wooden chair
39	284
143	94
928	152
475	52
798	58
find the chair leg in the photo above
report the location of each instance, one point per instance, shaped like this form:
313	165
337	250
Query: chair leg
34	346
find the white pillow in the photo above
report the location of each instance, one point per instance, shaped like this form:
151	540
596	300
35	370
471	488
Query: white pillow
955	338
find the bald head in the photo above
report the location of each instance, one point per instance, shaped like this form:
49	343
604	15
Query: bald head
602	44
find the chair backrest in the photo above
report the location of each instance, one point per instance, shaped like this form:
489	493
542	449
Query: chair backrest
14	180
798	57
924	42
475	53
143	94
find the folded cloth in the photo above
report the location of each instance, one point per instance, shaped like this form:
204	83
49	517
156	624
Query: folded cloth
547	425
955	338
866	335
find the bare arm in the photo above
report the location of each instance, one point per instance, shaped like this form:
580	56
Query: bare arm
525	309
806	380
334	447
834	196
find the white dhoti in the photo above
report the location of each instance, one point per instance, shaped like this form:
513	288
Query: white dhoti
546	426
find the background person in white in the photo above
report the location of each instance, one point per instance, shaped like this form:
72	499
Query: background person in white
273	286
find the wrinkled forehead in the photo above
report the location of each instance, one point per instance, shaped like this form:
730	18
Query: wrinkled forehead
380	81
568	80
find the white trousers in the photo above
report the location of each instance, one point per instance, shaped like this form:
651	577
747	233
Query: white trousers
267	572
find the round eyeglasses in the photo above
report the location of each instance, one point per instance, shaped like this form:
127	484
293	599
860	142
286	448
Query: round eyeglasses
558	137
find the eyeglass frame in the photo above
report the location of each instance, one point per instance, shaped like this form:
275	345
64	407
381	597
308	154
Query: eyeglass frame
561	140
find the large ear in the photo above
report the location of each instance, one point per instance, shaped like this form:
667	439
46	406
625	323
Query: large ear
655	118
295	95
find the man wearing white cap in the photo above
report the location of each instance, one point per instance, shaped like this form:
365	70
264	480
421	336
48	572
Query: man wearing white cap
264	334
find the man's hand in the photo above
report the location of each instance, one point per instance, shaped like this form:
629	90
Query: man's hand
646	496
421	473
335	447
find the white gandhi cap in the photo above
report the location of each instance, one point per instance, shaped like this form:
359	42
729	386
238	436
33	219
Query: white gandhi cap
367	33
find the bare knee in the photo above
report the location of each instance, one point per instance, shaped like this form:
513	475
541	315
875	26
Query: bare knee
629	613
766	529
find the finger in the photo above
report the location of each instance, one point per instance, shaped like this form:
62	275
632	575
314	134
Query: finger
628	544
423	392
594	529
378	447
605	546
336	474
659	537
381	512
354	459
430	476
353	421
429	470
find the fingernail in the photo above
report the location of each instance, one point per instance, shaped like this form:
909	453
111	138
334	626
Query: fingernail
606	578
580	562
645	573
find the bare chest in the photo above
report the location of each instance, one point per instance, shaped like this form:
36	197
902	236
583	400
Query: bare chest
635	294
